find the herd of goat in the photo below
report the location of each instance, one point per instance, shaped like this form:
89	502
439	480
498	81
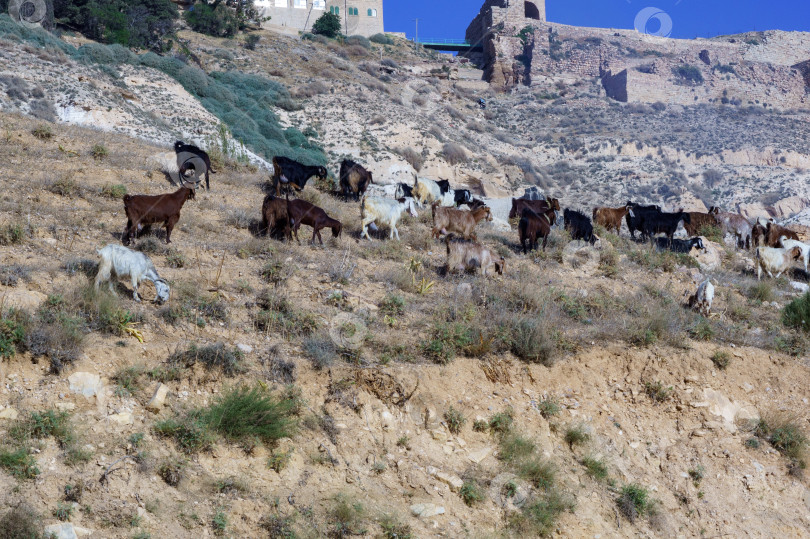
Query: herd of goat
777	247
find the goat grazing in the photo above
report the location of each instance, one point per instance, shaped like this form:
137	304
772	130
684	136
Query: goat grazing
787	243
146	210
579	226
452	221
775	259
610	218
403	191
275	221
185	151
774	232
662	223
468	256
698	221
701	300
531	226
537	206
354	179
133	264
290	172
680	246
462	196
637	215
737	225
300	212
384	211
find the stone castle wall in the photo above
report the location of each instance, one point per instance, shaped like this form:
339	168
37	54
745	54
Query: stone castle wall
302	14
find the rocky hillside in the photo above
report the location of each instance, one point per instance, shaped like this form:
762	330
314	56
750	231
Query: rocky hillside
574	396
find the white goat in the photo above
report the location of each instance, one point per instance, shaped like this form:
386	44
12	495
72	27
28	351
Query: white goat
448	200
127	263
775	259
702	299
426	191
790	244
385	211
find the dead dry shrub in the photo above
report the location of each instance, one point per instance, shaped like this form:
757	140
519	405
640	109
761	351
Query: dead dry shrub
413	157
454	153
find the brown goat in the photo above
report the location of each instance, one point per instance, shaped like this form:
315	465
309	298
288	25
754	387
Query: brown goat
610	218
698	221
533	225
146	210
462	222
537	206
300	212
468	256
354	179
773	232
275	221
758	235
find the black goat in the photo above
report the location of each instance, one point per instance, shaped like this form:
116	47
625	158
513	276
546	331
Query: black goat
636	216
182	147
663	223
579	226
680	246
288	171
354	179
444	186
463	196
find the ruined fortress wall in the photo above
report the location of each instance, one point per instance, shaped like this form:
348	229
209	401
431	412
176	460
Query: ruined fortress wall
506	14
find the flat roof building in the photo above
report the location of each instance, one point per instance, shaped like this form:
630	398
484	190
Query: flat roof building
357	17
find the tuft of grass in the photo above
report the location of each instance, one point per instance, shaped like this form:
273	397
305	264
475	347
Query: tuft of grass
702	330
19	464
245	414
116	192
215	356
471	492
128	380
38	425
43	132
548	407
175	259
697	474
278	460
634	501
13	234
219	523
455	420
99	151
576	435
454	153
657	391
13	324
321	351
530	343
796	314
447	340
538	518
501	423
392	527
721	359
393	305
21	522
63	511
596	468
784	432
172	471
538	472
514	447
231	485
761	292
479	425
345	517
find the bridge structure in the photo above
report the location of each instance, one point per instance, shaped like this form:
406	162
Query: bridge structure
450	45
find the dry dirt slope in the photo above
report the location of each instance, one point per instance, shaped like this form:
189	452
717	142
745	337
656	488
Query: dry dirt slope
352	443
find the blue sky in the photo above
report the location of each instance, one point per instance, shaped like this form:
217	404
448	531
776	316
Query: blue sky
690	18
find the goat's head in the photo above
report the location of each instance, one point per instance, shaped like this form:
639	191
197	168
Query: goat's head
500	265
322	173
336	230
698	243
178	145
796	253
488	213
163	291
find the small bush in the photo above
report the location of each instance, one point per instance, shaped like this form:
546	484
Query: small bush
784	432
697	474
455	420
576	435
761	292
345	518
244	414
43	132
657	391
548	408
251	41
471	492
220	523
446	341
175	259
539	472
21	522
381	39
796	314
529	342
321	351
189	432
98	151
217	20
721	359
538	517
64	186
514	447
172	470
501	423
12	234
413	158
278	527
63	511
19	464
393	305
454	153
702	330
116	192
216	356
278	460
13	325
358	40
634	501
128	380
596	468
688	74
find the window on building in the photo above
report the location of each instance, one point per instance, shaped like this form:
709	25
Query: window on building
354	11
319	4
334	9
280	3
300	4
372	12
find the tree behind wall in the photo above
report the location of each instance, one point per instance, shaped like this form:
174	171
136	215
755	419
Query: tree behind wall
327	25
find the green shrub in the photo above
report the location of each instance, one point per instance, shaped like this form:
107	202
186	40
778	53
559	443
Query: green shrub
63	511
114	191
215	356
529	342
128	380
761	292
721	359
45	424
19	463
576	435
702	330
447	340
327	25
381	39
394	529
393	304
548	407
796	314
215	20
21	522
250	413
501	423
784	432
455	420
596	468
539	472
634	501
13	325
514	447
12	234
538	517
471	492
657	391
220	523
688	74
99	151
251	41
345	517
